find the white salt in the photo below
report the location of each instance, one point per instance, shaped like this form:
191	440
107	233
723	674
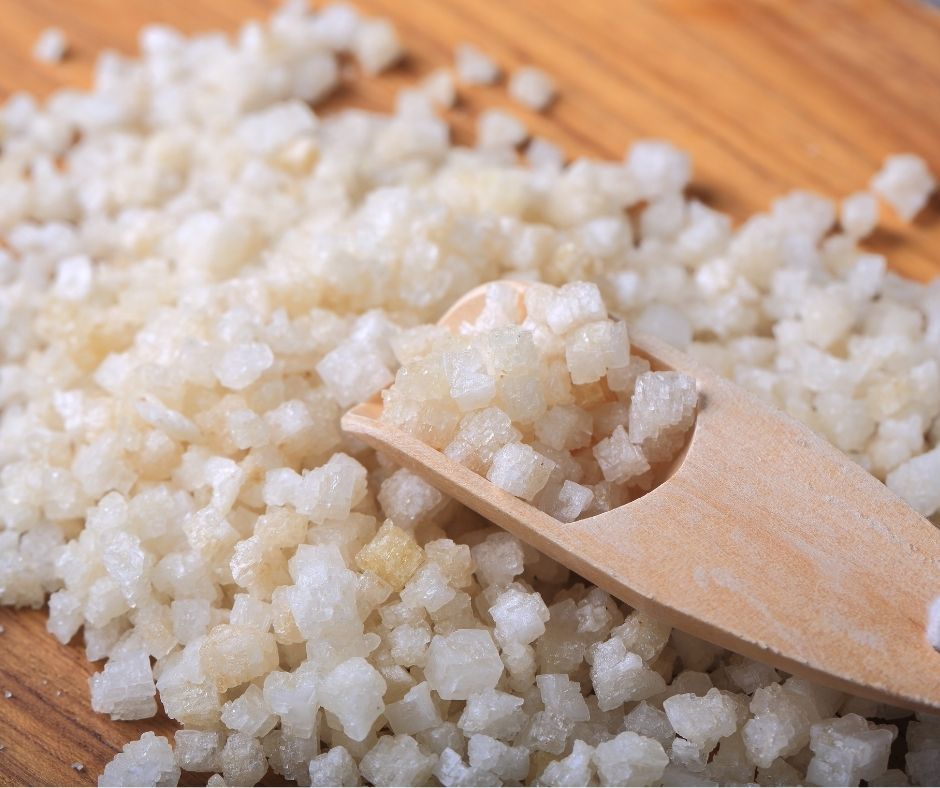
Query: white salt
51	46
462	663
905	183
499	129
532	87
473	66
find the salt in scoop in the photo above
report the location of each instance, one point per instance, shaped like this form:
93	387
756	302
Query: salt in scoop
765	539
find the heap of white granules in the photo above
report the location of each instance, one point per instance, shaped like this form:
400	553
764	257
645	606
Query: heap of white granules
198	274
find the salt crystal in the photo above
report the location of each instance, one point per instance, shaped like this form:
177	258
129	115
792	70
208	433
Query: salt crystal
520	470
439	87
353	692
125	688
241	366
562	697
51	46
619	458
498	129
199	751
846	750
249	714
630	759
905	183
661	411
462	663
428	588
594	348
243	761
574	304
392	554
494	713
146	761
473	66
498	559
619	676
408	500
859	214
335	767
519	616
915	482
415	712
376	46
397	760
532	87
702	721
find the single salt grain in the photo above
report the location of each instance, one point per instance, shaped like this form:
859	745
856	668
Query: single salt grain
51	46
858	214
905	183
933	623
78	766
335	767
532	87
630	759
397	760
7	694
542	153
376	45
917	481
439	87
474	67
242	365
462	663
520	470
147	761
499	129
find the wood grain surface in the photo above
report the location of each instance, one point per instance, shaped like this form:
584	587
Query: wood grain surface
768	95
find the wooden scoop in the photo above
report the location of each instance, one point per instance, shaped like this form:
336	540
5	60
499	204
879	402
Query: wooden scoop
765	540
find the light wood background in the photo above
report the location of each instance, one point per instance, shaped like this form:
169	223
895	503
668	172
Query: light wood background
768	95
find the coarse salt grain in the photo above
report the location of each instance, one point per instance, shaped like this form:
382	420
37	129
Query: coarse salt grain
933	623
51	46
905	183
473	66
532	87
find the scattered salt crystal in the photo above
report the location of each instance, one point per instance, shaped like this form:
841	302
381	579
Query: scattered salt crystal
630	759
397	760
241	366
905	183
148	760
7	694
933	623
462	663
439	87
376	45
474	67
520	470
51	46
499	129
858	214
916	481
532	87
335	767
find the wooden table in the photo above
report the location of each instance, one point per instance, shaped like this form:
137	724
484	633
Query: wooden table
768	96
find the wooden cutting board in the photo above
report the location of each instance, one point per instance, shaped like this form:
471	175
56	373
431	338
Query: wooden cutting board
767	96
